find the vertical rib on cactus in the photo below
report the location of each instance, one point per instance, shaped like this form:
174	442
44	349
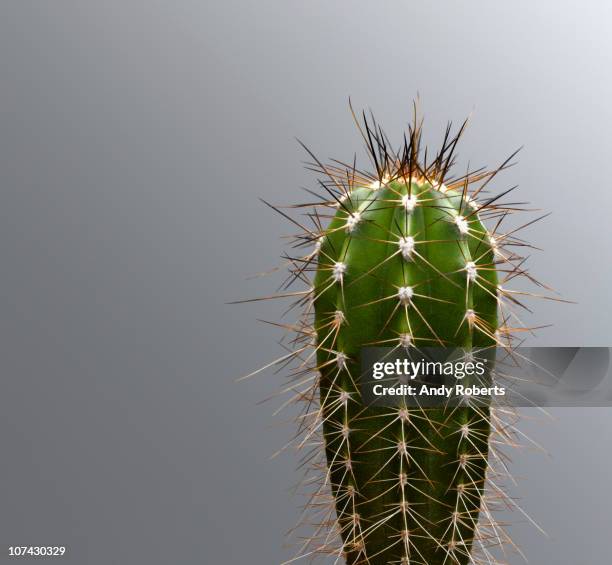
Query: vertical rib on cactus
400	258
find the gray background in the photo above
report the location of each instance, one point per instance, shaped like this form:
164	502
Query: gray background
135	138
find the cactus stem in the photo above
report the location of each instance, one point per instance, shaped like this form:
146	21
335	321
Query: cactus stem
402	485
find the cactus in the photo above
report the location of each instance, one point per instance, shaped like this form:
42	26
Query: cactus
401	258
406	262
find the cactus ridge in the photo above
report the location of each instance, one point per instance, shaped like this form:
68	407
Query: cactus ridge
400	257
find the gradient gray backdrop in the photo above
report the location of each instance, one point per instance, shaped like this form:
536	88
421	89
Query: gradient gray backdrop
135	138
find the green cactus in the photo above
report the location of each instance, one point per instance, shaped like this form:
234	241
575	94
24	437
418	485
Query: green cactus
401	259
406	263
